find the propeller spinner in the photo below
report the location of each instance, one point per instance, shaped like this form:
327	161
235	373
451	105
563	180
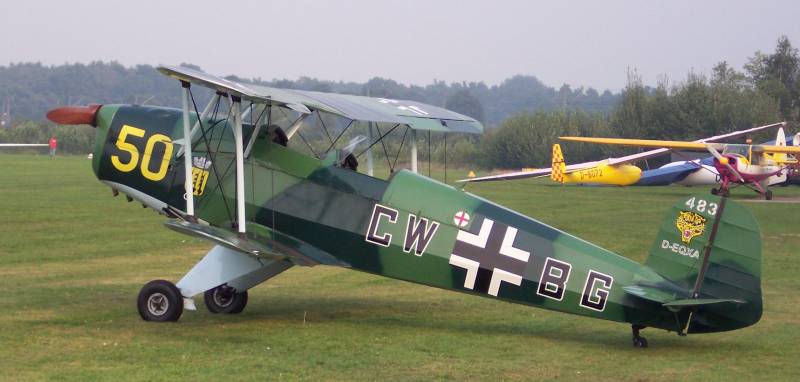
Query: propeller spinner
74	115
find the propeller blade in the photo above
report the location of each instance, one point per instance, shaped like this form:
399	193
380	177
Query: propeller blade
724	160
74	115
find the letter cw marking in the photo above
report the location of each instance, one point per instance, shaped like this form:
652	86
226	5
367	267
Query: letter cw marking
419	231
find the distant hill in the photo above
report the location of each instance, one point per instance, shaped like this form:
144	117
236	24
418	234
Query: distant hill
33	88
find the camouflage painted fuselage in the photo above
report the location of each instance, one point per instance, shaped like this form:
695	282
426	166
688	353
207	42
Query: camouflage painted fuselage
409	228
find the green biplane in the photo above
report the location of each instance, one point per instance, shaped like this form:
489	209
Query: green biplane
225	174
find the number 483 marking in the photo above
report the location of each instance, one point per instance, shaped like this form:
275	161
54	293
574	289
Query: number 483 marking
702	205
133	151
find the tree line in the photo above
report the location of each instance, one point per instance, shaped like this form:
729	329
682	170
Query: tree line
530	116
33	88
767	90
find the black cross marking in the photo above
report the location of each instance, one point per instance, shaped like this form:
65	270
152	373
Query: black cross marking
489	257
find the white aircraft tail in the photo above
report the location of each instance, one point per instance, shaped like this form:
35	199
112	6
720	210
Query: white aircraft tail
780	139
780	158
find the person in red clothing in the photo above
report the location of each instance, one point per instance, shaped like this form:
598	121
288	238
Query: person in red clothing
53	145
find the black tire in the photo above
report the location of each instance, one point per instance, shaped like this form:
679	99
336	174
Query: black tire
714	191
160	301
639	342
224	299
768	195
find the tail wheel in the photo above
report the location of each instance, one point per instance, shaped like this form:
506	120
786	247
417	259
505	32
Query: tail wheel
224	299
160	301
768	195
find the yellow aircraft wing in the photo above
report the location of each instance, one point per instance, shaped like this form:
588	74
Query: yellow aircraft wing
682	145
776	149
641	143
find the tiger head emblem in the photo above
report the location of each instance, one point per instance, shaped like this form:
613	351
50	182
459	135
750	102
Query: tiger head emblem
690	224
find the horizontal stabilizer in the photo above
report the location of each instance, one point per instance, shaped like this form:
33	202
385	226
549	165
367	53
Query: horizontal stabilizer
667	298
650	293
678	305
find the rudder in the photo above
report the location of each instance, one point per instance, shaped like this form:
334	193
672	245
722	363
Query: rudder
559	167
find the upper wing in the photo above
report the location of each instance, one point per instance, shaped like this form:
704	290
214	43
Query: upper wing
660	151
776	149
417	115
682	145
641	143
233	88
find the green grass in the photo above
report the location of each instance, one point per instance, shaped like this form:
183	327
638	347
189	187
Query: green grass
72	259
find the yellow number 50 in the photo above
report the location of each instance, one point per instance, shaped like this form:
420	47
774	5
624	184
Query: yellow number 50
133	151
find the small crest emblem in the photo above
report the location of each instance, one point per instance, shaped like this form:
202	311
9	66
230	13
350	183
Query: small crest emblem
690	224
199	179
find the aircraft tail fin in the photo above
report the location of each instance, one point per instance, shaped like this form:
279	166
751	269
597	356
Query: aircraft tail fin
559	167
780	140
710	248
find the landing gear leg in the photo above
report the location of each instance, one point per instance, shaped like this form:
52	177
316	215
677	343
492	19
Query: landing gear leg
638	341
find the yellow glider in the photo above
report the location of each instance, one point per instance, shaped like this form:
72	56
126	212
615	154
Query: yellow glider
601	173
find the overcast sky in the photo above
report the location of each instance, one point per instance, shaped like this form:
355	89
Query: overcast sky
581	43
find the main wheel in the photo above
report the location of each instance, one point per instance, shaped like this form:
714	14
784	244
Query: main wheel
160	301
639	342
768	195
714	191
224	299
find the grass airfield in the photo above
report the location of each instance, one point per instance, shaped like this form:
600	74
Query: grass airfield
72	260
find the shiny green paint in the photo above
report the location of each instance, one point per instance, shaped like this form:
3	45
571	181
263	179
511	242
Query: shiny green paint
311	209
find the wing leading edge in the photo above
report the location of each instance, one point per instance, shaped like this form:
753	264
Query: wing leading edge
682	145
